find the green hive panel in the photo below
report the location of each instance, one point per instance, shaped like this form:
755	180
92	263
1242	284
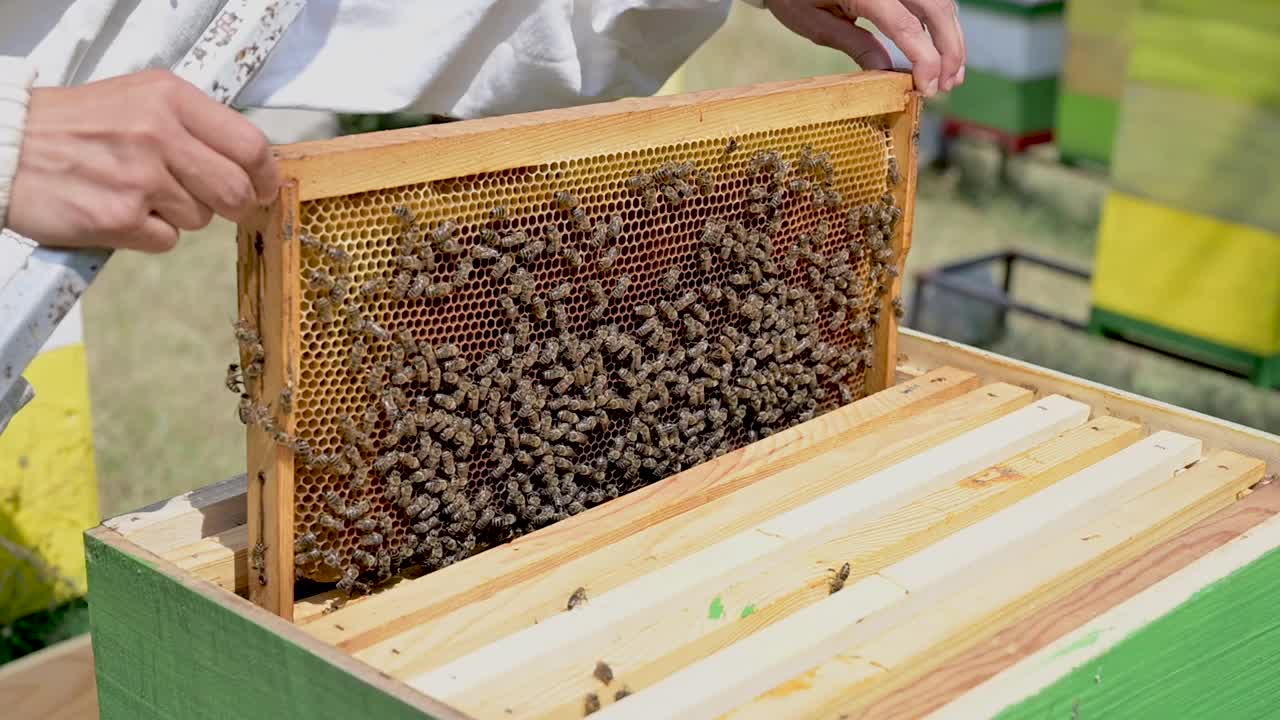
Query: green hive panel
1210	156
1015	107
1086	127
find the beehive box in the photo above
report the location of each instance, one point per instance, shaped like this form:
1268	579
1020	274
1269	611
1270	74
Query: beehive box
454	335
983	538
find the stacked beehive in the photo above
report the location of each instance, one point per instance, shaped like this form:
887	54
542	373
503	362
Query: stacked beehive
1015	50
1099	35
1190	242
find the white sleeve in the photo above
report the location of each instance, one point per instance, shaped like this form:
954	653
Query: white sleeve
16	77
479	58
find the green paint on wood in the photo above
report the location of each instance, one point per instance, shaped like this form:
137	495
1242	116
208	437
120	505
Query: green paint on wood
1262	371
1086	127
1215	56
1084	642
1019	9
716	611
1212	156
748	610
1212	657
1017	107
163	652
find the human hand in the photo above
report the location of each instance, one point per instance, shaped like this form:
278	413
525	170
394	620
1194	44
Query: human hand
128	162
937	56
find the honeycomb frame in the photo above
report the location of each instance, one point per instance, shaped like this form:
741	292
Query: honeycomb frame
344	192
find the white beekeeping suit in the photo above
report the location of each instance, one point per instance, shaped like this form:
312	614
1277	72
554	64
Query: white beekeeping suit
466	58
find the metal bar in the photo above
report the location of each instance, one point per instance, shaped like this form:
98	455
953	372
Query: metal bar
36	299
1001	300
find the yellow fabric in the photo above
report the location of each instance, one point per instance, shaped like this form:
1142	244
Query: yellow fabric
48	485
1190	273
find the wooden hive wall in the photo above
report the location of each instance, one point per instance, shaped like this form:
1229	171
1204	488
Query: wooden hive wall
501	342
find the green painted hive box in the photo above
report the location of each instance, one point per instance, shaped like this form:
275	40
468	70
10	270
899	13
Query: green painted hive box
984	538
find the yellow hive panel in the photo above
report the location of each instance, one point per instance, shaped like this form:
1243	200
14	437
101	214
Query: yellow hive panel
560	361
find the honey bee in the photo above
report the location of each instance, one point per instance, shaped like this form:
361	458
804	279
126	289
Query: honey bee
482	252
622	692
438	289
307	557
590	704
671	280
532	250
841	575
566	200
607	258
502	267
329	522
463	272
499	212
577	599
650	198
235	380
615	226
603	672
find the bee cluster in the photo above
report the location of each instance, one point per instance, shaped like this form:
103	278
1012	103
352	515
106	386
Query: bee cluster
601	381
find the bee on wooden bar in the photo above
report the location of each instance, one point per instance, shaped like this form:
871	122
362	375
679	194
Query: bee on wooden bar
603	672
577	599
841	575
235	380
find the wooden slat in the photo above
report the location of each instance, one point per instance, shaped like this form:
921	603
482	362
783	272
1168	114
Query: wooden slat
813	635
926	351
703	572
185	519
221	559
358	163
642	652
890	665
980	662
413	604
905	128
269	288
510	607
56	683
1042	670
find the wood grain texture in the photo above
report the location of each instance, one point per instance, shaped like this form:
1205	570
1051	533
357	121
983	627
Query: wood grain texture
56	683
925	351
221	559
986	658
416	603
514	606
877	678
811	636
169	646
358	163
905	128
185	519
1155	585
481	682
269	286
641	654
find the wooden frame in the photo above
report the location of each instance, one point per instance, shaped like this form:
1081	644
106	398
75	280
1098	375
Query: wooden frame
922	658
269	265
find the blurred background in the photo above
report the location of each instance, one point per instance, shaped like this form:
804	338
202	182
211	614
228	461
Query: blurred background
1117	154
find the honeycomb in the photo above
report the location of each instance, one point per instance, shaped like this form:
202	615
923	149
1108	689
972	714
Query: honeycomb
536	385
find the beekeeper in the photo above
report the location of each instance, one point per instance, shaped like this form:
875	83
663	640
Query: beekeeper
96	149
